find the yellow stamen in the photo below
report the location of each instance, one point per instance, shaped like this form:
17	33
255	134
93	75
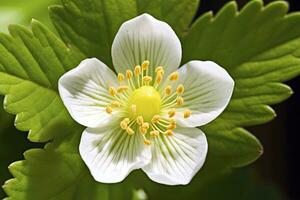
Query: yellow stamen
187	113
172	113
155	118
146	125
115	104
129	131
159	78
133	108
112	91
159	69
142	130
180	89
137	70
140	120
147	79
123	125
168	90
120	77
122	88
145	64
128	74
172	121
174	76
171	126
154	133
147	142
126	120
179	101
108	109
169	133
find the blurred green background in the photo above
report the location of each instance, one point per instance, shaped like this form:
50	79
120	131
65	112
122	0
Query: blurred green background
266	179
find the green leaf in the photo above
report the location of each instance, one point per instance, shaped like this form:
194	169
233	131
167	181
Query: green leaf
57	172
91	25
30	66
255	48
19	11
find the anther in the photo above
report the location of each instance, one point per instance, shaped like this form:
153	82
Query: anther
112	91
158	78
137	70
180	89
174	76
140	120
169	132
155	118
120	77
168	90
146	125
172	113
142	130
147	142
122	88
128	74
147	79
154	133
179	101
160	70
115	104
133	108
129	131
126	120
108	109
171	126
145	64
123	125
187	113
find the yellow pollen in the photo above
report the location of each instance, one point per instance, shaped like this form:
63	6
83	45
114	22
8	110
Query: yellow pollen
133	108
187	113
122	88
179	101
145	64
172	121
121	77
146	125
154	133
137	70
128	74
112	91
126	120
169	133
155	118
115	104
123	125
168	90
140	120
129	131
160	70
174	76
147	101
172	113
147	79
171	126
158	78
108	109
180	89
147	142
142	130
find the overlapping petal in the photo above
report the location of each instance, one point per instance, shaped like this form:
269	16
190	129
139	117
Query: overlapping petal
146	38
176	159
111	154
208	89
84	91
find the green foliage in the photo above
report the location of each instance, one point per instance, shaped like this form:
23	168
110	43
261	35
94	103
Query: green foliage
252	45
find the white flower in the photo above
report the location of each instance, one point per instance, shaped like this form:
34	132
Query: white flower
145	116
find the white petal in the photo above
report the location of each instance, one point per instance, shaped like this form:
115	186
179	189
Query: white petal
84	91
176	159
111	154
208	89
146	38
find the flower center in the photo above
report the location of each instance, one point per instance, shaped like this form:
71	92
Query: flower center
147	101
147	106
